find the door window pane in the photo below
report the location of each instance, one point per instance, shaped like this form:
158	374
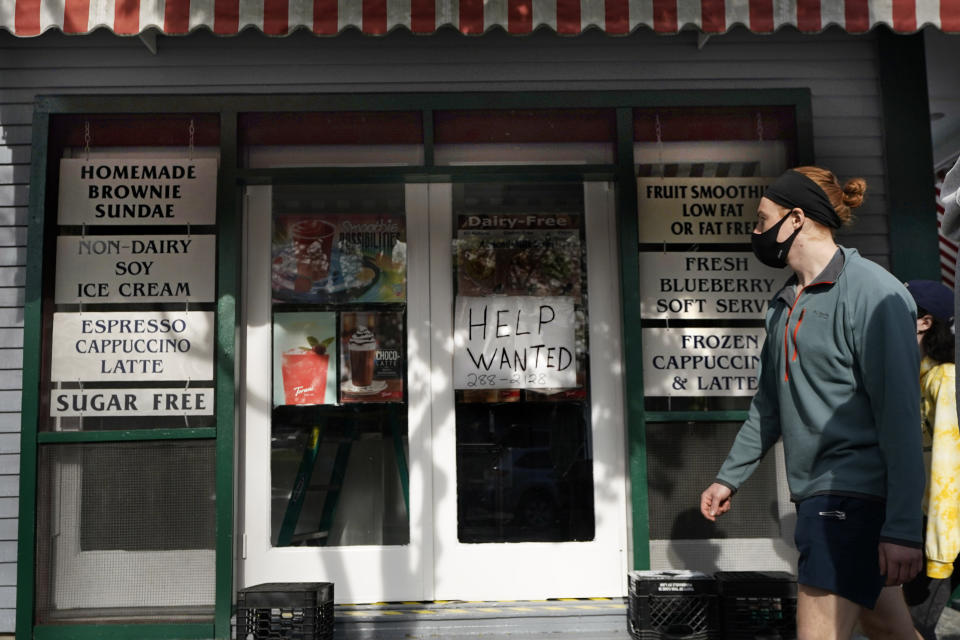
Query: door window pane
524	449
339	428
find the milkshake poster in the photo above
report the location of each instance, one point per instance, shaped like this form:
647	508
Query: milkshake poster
304	358
518	254
372	356
339	258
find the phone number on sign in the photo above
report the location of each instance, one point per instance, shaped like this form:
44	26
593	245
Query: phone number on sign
515	379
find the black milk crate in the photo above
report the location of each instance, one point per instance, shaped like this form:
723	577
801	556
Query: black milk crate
672	605
286	611
757	604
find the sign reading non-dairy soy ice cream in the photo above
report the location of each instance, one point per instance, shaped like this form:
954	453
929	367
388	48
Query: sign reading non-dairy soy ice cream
127	346
144	191
698	209
90	403
706	284
514	342
701	361
149	268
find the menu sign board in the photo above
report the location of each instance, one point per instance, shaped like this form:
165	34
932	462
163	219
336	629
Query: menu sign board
156	268
698	209
701	361
89	403
145	191
127	346
706	284
514	342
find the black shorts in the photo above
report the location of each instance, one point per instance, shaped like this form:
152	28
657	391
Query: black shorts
838	538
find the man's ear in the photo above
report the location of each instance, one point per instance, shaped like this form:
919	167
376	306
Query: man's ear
798	217
924	322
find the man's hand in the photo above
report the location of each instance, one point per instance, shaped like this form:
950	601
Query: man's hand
715	501
900	564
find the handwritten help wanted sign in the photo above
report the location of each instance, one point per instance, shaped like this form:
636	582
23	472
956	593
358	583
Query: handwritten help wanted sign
514	342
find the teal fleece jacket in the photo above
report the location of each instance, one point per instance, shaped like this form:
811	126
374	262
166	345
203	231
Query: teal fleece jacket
839	382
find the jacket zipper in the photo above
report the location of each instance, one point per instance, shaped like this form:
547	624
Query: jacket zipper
786	329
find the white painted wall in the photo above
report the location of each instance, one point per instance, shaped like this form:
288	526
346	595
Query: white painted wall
840	71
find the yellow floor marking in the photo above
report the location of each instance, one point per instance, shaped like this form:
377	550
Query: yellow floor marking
568	599
586	606
392	613
428	611
520	609
488	609
554	608
617	605
602	599
456	611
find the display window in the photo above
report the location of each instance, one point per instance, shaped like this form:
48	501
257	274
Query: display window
338	283
126	483
700	175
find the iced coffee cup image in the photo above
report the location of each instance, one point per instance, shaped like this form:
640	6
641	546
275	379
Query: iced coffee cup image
312	244
362	349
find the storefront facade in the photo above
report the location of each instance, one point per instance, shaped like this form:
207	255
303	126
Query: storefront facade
431	317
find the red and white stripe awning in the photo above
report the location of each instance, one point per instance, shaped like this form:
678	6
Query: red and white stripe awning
375	17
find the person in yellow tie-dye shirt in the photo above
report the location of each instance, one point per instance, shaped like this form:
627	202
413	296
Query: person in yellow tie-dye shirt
929	592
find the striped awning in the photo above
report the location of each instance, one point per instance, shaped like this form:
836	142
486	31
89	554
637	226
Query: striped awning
329	17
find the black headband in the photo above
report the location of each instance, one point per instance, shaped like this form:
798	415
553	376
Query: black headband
793	190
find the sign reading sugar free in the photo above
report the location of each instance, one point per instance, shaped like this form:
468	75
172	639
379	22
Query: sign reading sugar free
701	361
161	268
698	209
78	403
152	191
127	346
514	342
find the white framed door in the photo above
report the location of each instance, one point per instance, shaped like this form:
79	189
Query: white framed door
362	568
497	562
445	557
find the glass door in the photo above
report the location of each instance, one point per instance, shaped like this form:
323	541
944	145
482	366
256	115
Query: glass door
528	436
336	422
433	401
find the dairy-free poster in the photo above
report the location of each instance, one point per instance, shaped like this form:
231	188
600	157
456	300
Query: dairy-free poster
372	356
514	342
304	358
518	254
339	258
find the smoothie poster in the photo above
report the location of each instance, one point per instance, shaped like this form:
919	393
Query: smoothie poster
518	255
372	356
339	258
304	358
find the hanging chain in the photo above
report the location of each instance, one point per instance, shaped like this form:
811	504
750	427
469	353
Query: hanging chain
86	139
659	131
759	127
192	131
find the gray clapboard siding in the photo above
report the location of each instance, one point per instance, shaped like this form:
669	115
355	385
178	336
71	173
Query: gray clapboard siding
847	123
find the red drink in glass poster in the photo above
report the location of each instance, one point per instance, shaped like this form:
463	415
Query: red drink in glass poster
304	376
